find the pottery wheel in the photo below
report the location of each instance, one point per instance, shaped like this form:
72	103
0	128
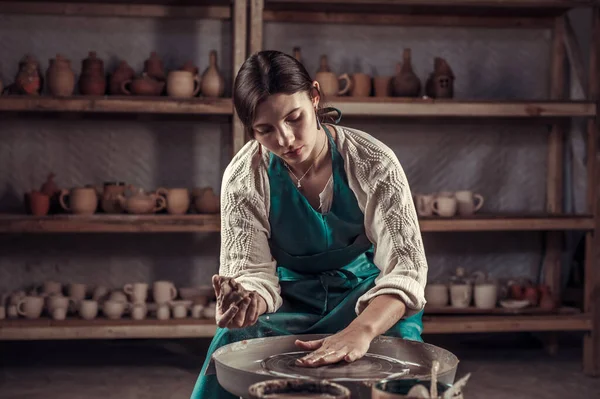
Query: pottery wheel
370	366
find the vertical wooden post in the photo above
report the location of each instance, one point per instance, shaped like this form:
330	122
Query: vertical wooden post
554	180
256	25
591	342
239	23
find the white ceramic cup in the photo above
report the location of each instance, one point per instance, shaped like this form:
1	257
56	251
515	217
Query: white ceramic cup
139	311
88	309
437	295
461	295
163	291
486	295
138	292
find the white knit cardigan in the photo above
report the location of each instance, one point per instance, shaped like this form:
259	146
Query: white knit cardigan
381	188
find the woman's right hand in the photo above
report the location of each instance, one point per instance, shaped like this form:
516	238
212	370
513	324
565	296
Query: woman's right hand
236	307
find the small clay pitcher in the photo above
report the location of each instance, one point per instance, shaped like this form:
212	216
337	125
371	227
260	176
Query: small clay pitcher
361	85
154	68
182	84
213	84
60	77
92	81
406	83
122	74
329	82
82	200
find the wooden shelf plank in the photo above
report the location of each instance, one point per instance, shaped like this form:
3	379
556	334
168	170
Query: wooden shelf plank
147	9
369	106
117	104
471	310
101	328
489	324
444	3
162	223
507	223
430	108
101	223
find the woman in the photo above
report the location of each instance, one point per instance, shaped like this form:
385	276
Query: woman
318	227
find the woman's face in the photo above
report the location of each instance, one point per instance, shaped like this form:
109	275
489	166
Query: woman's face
286	125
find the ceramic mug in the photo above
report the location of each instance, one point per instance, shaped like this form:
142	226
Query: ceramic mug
82	200
163	291
424	205
330	83
468	202
77	291
163	312
445	206
182	84
486	295
436	295
383	86
138	292
361	85
461	295
31	307
114	309
139	311
178	199
88	309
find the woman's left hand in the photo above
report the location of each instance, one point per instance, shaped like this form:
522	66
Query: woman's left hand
349	345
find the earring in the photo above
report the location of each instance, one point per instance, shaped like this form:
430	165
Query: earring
318	121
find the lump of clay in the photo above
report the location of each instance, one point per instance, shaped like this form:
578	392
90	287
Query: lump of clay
230	293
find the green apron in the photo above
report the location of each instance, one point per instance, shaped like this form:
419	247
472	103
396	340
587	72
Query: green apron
324	264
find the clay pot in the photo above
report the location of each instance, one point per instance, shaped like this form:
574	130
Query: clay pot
154	68
190	67
182	84
383	86
29	79
141	203
212	84
440	83
206	200
60	77
143	85
406	83
531	294
92	81
53	191
122	74
361	85
37	203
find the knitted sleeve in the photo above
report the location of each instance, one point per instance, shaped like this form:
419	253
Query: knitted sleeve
245	254
391	224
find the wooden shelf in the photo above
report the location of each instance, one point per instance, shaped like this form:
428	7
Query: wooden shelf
102	223
163	223
117	104
430	108
47	329
101	328
368	107
464	13
504	323
507	223
100	8
471	310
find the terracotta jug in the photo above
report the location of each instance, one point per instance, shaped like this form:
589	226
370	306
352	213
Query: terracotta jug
92	81
182	84
154	68
143	85
82	200
329	82
122	74
29	78
53	191
212	84
440	83
60	77
406	83
206	200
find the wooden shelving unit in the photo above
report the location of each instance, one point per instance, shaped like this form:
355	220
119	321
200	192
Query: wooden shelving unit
163	223
525	14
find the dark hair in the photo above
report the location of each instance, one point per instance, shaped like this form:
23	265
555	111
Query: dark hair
263	74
